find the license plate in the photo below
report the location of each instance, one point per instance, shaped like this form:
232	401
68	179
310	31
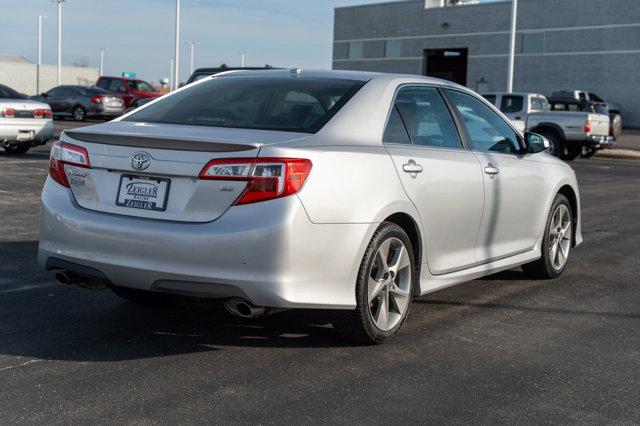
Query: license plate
114	104
143	192
24	135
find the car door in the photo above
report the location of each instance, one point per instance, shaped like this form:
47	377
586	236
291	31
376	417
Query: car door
514	186
439	175
53	98
67	99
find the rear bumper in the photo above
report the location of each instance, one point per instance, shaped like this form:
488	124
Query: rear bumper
600	141
101	111
269	253
40	130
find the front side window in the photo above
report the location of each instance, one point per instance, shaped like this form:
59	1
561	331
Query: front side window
511	103
115	85
356	49
426	117
487	131
254	102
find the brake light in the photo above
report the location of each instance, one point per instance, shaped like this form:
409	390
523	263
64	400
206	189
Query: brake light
267	178
42	113
97	99
587	126
66	153
8	113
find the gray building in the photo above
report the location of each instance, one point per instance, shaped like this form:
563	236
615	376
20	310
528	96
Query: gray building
591	45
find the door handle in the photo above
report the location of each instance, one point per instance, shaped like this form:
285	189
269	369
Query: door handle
412	167
490	169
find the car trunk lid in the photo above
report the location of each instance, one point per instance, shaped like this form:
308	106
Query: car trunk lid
152	170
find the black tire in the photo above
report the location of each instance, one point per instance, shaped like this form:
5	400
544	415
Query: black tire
17	149
543	268
79	113
138	297
557	148
588	152
358	325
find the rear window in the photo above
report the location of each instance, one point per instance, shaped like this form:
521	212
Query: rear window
511	103
8	93
295	104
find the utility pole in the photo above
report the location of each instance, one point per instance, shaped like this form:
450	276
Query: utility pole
176	63
39	53
102	49
59	40
512	45
243	57
192	46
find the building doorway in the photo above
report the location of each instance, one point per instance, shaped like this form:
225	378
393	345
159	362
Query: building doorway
447	64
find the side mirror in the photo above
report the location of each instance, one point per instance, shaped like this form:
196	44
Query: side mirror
44	95
536	143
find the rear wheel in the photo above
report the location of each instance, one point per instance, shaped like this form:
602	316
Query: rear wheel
556	146
384	288
17	149
556	243
138	297
79	113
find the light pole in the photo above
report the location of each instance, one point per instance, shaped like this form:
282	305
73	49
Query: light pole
192	45
102	49
59	40
243	57
512	45
39	53
176	63
171	69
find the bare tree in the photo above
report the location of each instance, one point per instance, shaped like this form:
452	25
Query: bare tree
83	62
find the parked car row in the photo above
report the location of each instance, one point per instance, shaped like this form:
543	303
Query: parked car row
574	124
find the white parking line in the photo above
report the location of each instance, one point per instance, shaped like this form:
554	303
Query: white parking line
20	365
29	287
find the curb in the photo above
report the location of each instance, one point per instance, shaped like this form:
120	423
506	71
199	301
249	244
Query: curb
619	153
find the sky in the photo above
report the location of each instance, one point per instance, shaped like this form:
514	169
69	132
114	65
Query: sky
138	35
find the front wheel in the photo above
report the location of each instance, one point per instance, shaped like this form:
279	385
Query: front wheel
383	290
556	243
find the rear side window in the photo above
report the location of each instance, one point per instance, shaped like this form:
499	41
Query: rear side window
104	83
296	104
490	98
511	103
426	117
395	131
115	85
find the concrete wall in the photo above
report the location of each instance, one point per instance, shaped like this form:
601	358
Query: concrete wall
591	45
22	76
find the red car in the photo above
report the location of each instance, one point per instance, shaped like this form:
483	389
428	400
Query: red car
130	89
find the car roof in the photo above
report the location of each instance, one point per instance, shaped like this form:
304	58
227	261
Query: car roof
341	74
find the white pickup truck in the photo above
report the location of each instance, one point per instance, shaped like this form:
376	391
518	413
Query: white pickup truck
570	133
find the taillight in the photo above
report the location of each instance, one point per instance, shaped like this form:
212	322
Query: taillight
65	153
8	112
587	126
42	113
267	178
97	99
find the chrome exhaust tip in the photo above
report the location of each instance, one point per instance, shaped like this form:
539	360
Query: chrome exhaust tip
67	278
243	308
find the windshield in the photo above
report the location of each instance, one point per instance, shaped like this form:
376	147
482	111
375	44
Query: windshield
140	86
286	103
9	93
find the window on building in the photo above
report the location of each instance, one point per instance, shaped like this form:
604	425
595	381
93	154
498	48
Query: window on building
393	49
356	49
532	43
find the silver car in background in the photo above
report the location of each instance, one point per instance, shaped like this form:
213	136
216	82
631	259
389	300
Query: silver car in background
335	190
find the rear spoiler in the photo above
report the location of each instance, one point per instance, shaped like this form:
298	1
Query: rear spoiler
152	142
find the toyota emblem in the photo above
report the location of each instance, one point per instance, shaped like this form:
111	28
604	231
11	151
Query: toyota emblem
140	161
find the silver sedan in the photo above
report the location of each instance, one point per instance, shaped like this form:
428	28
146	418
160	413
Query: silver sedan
289	189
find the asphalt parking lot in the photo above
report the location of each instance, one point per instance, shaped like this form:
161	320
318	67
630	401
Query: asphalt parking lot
503	349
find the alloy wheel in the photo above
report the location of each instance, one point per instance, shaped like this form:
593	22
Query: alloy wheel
560	234
389	284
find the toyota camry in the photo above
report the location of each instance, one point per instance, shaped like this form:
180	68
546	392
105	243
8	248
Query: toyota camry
344	191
